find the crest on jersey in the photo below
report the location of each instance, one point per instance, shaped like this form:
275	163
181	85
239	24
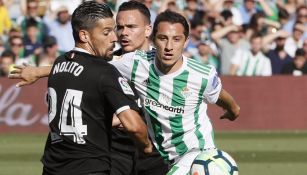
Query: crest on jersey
215	81
186	92
125	86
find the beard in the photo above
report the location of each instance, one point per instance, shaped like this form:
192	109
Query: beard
279	47
109	57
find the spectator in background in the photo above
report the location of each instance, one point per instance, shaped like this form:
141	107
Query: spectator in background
301	16
251	62
16	45
206	55
33	46
283	17
289	5
15	31
249	7
237	17
195	38
295	41
60	28
221	5
169	5
50	52
2	46
229	39
149	5
278	55
7	61
298	66
227	17
191	9
260	25
32	12
5	21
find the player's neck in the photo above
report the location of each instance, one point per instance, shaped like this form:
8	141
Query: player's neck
169	69
85	47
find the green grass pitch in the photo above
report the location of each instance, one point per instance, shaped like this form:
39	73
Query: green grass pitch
257	153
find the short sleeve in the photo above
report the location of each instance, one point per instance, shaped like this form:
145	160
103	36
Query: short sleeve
213	87
117	91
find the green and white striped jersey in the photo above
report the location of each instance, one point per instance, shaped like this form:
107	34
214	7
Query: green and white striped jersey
175	104
251	65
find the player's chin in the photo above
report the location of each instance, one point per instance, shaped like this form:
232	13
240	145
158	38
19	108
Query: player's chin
167	61
108	55
128	49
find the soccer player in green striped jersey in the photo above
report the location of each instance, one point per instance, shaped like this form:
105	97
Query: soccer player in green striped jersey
175	91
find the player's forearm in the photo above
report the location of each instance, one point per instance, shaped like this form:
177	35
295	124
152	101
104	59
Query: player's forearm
135	126
43	71
141	136
227	102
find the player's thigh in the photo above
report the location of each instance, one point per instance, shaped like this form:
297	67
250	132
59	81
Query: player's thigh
183	165
121	164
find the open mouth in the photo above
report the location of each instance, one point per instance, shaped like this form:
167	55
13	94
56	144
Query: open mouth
124	42
168	55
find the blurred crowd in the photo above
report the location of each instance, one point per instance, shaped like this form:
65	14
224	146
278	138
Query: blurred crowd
238	37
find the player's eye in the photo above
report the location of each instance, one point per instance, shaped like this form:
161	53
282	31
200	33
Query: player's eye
106	32
162	38
177	39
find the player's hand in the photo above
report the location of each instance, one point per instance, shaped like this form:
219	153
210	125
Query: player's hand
116	123
25	73
231	114
148	148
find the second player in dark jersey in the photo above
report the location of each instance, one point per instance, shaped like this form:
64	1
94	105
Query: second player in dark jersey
84	92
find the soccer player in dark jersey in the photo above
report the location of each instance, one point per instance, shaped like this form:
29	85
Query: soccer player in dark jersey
133	31
84	92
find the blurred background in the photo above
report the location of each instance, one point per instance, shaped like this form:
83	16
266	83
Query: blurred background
259	48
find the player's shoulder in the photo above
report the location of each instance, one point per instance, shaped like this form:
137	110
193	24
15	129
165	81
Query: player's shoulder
141	55
200	68
94	63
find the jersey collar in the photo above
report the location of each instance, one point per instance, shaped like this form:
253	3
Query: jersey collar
78	49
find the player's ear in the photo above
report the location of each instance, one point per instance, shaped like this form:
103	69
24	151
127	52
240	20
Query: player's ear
84	36
148	30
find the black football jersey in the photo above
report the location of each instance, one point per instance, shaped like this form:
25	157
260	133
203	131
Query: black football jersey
84	92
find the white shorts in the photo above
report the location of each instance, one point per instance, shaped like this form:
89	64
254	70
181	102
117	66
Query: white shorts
182	165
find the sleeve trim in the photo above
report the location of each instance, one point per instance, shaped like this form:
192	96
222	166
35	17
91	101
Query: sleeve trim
121	109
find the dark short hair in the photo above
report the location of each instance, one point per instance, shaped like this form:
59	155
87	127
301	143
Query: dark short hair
255	35
283	13
31	22
171	17
135	5
299	52
8	53
87	14
195	23
49	41
226	14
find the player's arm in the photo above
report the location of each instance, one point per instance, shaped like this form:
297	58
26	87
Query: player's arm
227	102
135	126
29	74
121	98
215	94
